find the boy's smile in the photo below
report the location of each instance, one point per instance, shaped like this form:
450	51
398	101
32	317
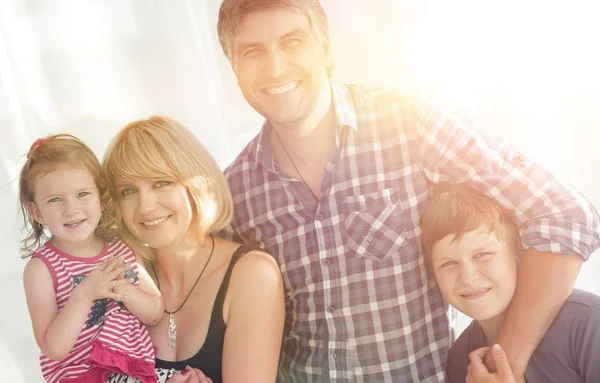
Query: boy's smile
476	274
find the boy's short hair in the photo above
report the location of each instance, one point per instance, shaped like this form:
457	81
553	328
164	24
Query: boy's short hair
458	209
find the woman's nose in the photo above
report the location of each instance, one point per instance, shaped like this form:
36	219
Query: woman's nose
146	202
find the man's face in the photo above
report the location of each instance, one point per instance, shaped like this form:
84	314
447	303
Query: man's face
281	66
477	275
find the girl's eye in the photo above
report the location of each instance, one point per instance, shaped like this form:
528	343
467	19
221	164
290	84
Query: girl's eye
82	194
446	264
160	184
55	199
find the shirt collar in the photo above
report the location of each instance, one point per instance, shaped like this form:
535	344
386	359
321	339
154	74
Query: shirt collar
345	115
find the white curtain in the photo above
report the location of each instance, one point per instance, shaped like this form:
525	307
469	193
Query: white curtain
525	69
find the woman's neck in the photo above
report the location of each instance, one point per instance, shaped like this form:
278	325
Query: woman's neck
178	264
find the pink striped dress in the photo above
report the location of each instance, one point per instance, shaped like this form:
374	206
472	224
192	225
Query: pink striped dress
112	339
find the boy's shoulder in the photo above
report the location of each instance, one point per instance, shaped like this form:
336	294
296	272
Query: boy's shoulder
581	300
469	340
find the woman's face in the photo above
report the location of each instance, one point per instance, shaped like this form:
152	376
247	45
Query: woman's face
157	212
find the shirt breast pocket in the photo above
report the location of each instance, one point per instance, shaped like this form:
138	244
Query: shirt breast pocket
374	224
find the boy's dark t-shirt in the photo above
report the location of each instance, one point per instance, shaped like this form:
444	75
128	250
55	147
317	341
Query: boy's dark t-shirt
569	352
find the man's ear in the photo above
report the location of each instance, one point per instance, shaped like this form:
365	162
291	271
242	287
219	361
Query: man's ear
35	212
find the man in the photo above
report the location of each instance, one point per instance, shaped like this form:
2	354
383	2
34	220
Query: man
333	186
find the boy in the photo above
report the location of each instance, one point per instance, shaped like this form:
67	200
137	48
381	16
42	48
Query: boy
472	246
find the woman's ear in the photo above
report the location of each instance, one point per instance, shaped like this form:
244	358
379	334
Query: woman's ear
35	212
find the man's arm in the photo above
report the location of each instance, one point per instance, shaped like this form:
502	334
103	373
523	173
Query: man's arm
544	282
554	218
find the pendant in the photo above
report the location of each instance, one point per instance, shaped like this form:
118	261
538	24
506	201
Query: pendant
172	334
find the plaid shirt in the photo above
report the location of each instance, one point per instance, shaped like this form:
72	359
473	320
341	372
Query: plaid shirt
358	295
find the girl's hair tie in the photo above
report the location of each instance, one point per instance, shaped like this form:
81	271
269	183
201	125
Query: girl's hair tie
34	146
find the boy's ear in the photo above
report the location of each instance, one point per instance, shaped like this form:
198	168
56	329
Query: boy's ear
35	212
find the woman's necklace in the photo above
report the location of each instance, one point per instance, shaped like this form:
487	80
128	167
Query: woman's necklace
294	165
172	333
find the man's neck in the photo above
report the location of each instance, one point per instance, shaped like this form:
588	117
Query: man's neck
307	143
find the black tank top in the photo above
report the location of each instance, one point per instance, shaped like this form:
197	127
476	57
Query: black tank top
209	358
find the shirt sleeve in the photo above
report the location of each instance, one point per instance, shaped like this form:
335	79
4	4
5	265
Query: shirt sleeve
553	216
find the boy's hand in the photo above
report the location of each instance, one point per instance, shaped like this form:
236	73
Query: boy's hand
103	280
478	372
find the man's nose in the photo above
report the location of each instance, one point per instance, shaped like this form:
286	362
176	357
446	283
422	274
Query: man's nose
276	63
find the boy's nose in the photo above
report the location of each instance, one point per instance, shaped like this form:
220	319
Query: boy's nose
468	273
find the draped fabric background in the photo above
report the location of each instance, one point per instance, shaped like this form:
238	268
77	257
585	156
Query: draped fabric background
525	69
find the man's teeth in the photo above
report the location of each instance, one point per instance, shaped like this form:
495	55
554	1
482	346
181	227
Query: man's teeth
155	222
74	223
284	88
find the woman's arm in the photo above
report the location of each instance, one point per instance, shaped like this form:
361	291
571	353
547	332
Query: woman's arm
56	332
254	312
144	301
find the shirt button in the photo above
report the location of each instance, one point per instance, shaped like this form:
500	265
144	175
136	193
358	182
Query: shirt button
319	216
370	200
326	262
331	310
334	355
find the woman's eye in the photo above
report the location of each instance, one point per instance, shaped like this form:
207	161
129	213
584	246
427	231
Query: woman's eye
482	254
126	192
161	184
82	194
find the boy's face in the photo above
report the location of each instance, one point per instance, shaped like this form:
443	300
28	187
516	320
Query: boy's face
477	275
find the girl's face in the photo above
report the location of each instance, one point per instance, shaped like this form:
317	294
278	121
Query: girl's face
67	201
157	212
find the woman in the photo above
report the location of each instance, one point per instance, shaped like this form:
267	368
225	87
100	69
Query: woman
224	306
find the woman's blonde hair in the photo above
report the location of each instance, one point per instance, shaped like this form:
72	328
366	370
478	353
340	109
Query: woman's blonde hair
159	147
46	155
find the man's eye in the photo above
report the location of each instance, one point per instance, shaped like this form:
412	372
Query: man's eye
250	53
292	42
82	194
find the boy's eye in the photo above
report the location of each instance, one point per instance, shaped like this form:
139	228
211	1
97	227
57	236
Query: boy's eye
82	194
55	199
447	263
482	254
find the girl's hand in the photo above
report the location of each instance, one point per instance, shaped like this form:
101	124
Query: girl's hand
190	375
103	280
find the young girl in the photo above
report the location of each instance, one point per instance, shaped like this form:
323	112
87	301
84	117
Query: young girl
88	298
